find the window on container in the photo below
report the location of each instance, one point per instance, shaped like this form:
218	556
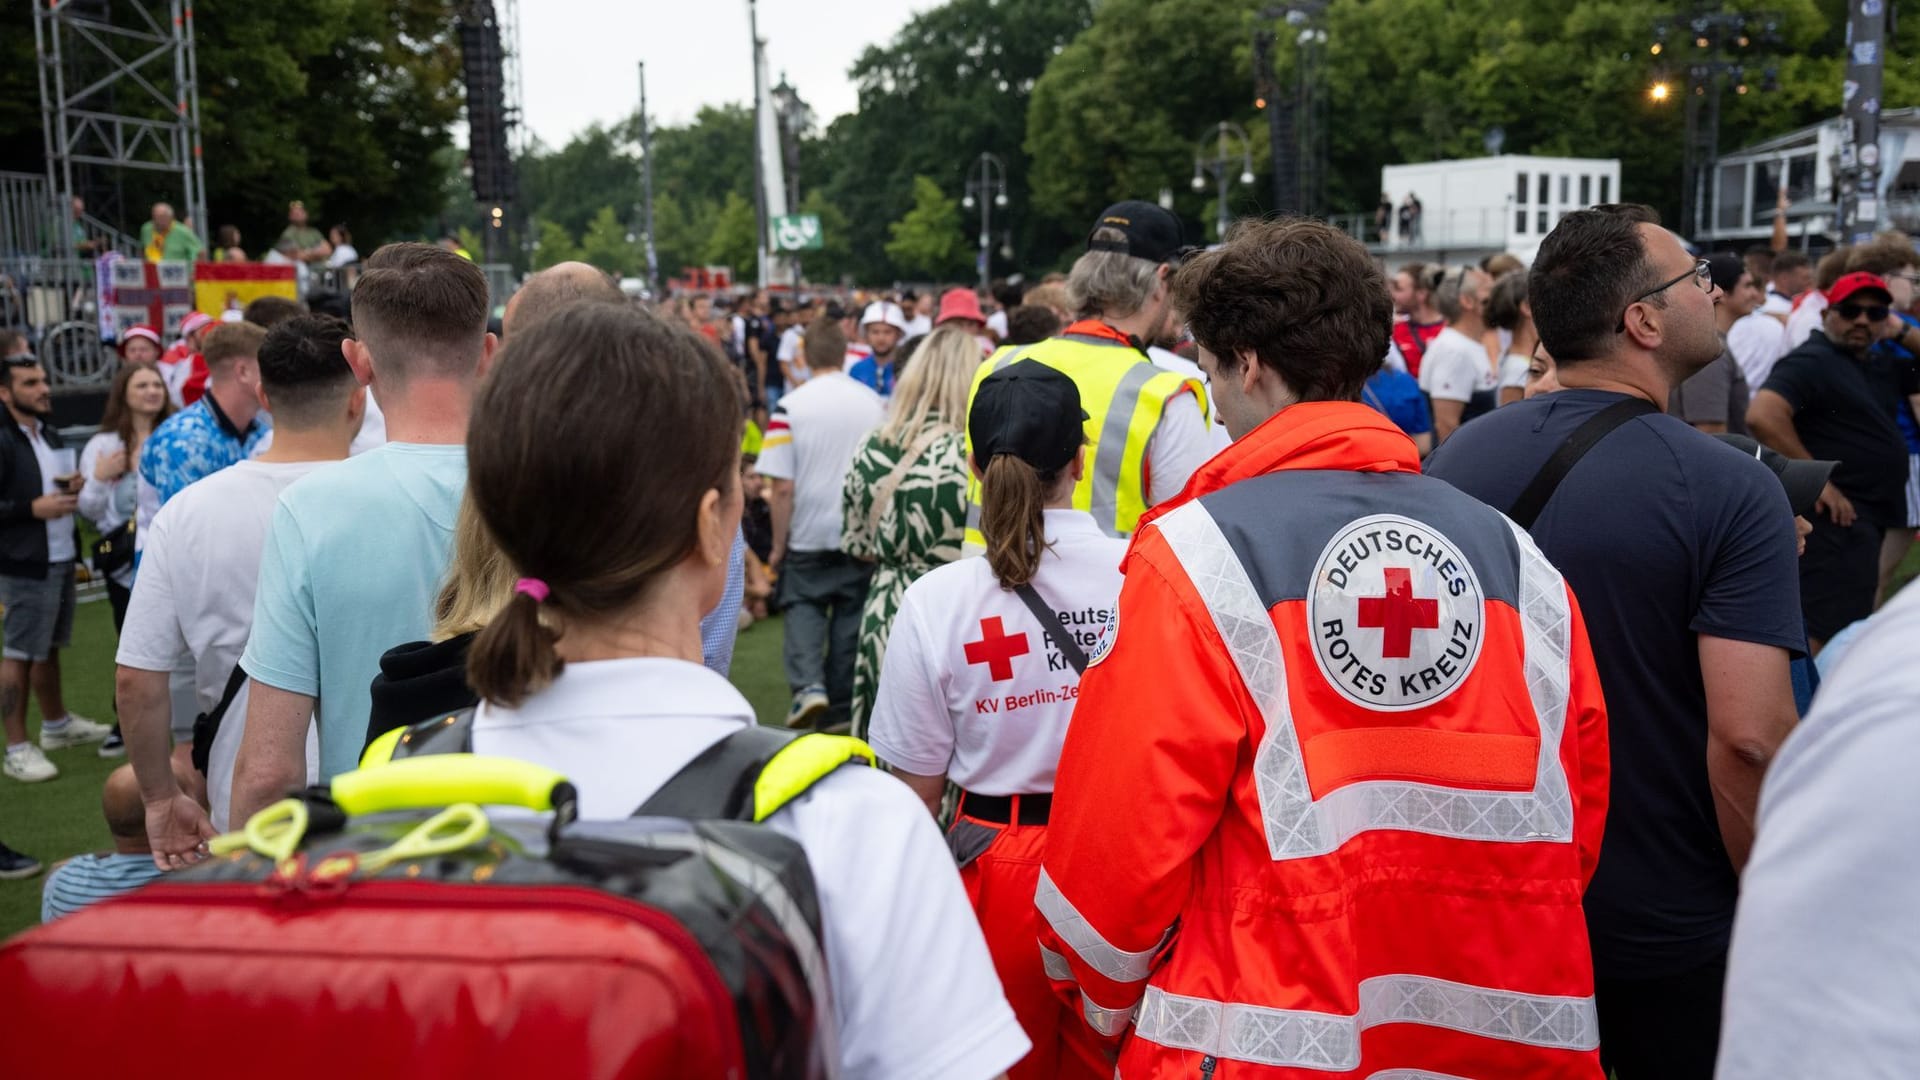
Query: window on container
1586	191
1606	189
1520	187
1545	180
1566	193
1541	219
1766	192
1520	221
1730	196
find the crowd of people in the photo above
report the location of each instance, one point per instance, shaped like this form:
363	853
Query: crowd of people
1283	667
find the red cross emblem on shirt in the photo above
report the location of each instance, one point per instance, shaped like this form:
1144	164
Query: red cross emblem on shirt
1398	614
996	649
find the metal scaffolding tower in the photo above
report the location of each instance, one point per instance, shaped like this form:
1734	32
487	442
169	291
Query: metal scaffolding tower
119	89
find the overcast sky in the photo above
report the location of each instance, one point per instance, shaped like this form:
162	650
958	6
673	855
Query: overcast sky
578	56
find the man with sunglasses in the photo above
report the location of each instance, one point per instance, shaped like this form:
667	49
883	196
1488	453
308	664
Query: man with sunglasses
1681	551
1828	400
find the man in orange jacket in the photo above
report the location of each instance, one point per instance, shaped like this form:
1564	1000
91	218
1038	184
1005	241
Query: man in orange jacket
1331	796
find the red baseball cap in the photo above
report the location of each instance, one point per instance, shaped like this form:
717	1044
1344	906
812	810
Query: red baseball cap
1856	282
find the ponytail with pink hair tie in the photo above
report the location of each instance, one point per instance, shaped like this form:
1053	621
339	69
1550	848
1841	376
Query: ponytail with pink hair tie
534	587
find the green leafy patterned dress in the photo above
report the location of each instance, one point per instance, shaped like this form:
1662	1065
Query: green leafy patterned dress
919	527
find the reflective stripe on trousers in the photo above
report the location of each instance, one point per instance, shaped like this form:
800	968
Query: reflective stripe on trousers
1298	825
1314	1040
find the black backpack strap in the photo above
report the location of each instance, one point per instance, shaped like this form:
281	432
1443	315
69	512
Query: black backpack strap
207	724
752	773
1050	620
450	734
718	784
1526	509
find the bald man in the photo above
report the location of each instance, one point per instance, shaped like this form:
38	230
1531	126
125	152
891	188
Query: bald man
89	879
557	287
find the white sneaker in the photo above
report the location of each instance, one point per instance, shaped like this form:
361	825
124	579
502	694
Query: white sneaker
28	765
79	732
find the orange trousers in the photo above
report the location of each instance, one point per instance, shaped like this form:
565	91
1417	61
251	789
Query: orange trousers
1000	884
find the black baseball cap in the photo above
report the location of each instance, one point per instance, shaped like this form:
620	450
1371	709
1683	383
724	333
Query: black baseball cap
1152	234
1804	480
1029	410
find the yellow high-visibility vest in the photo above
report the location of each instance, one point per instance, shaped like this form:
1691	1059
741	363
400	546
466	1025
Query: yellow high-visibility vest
1124	396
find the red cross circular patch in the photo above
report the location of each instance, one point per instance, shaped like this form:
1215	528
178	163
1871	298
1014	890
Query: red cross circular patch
1395	612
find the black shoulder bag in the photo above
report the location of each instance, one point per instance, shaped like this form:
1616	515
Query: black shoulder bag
1050	620
1526	509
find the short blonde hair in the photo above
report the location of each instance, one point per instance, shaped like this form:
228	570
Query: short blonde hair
1109	283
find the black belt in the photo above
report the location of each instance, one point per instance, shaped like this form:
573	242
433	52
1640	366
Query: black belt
1001	809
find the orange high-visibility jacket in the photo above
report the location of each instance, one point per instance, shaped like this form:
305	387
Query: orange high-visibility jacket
1332	793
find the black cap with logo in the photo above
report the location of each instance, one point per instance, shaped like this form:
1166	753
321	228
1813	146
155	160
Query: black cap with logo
1029	410
1152	234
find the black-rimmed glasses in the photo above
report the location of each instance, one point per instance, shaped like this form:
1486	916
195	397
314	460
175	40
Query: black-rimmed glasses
1702	273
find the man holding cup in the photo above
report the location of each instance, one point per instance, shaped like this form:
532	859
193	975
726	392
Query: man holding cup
39	486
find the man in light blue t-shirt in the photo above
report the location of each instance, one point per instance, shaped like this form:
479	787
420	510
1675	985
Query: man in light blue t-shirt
358	550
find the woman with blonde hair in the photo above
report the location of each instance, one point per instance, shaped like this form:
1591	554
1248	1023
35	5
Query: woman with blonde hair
904	507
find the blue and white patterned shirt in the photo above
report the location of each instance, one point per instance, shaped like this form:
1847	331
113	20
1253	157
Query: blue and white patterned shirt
89	879
722	624
190	445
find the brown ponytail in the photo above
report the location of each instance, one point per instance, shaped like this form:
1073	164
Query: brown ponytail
1013	495
593	442
513	656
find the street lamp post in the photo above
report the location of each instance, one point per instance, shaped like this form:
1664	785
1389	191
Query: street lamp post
988	190
1224	133
646	189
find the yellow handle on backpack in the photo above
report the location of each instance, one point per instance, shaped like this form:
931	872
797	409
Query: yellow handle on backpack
437	780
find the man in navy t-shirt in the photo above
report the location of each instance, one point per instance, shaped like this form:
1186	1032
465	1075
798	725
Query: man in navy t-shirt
1681	552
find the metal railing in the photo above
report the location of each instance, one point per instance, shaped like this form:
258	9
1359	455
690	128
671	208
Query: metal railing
28	214
54	301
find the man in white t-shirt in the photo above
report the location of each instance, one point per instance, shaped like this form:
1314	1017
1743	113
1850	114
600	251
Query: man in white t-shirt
919	308
791	353
193	600
1792	275
1810	307
1457	373
810	443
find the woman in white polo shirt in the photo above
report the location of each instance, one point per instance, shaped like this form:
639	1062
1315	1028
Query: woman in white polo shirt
982	670
594	667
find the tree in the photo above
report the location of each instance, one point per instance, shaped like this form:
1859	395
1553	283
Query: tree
346	104
836	247
928	240
606	246
953	82
555	245
734	241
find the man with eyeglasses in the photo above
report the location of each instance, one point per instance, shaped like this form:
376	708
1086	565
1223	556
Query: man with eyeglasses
1681	551
1828	400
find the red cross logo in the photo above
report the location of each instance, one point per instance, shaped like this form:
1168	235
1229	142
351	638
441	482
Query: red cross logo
1398	614
996	649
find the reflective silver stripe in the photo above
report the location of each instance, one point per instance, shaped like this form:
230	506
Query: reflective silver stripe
1114	963
1111	454
1104	1021
1412	1074
1311	1040
1055	965
1297	825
